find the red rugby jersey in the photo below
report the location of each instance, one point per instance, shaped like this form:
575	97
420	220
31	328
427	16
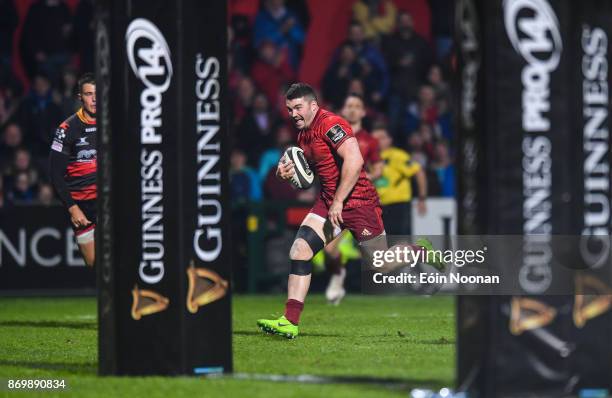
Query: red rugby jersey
368	147
320	143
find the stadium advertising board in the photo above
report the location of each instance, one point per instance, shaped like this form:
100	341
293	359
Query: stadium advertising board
38	253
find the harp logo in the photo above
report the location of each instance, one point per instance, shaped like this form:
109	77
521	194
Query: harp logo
205	286
528	314
147	302
593	298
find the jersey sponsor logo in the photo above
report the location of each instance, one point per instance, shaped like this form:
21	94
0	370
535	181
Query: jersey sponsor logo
91	129
82	141
60	134
57	146
86	154
336	133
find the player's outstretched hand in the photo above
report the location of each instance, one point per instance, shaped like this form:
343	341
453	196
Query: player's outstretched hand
285	169
77	217
335	213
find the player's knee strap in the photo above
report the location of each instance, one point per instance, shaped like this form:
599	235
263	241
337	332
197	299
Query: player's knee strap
301	267
311	237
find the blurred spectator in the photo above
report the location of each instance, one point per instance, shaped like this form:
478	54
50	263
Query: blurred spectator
23	191
442	25
376	16
22	163
300	9
374	72
46	38
444	102
356	86
45	195
444	169
244	184
429	139
84	27
428	110
281	106
8	24
423	110
10	98
271	70
339	74
394	186
243	100
269	159
11	140
239	34
441	88
255	132
234	77
39	116
409	58
66	94
276	23
415	146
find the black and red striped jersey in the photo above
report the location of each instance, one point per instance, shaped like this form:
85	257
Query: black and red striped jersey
76	138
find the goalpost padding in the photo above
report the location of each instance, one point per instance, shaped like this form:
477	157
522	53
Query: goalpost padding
162	239
533	155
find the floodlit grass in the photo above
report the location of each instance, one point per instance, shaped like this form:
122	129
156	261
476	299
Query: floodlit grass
408	340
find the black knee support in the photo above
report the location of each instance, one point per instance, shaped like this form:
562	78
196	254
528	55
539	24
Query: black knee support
304	267
301	267
311	237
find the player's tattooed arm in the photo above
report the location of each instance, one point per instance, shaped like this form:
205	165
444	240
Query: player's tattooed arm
352	163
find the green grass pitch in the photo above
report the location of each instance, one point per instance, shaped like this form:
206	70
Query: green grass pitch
410	339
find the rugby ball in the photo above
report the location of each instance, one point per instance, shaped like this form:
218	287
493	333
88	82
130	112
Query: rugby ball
303	176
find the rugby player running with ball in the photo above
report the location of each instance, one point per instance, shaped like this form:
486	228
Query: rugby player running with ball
347	199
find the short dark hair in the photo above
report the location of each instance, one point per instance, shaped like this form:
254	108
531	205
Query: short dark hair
86	78
299	90
358	96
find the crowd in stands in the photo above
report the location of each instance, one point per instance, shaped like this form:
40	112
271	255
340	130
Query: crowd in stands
402	76
54	46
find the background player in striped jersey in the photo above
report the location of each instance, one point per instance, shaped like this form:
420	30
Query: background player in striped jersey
72	167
